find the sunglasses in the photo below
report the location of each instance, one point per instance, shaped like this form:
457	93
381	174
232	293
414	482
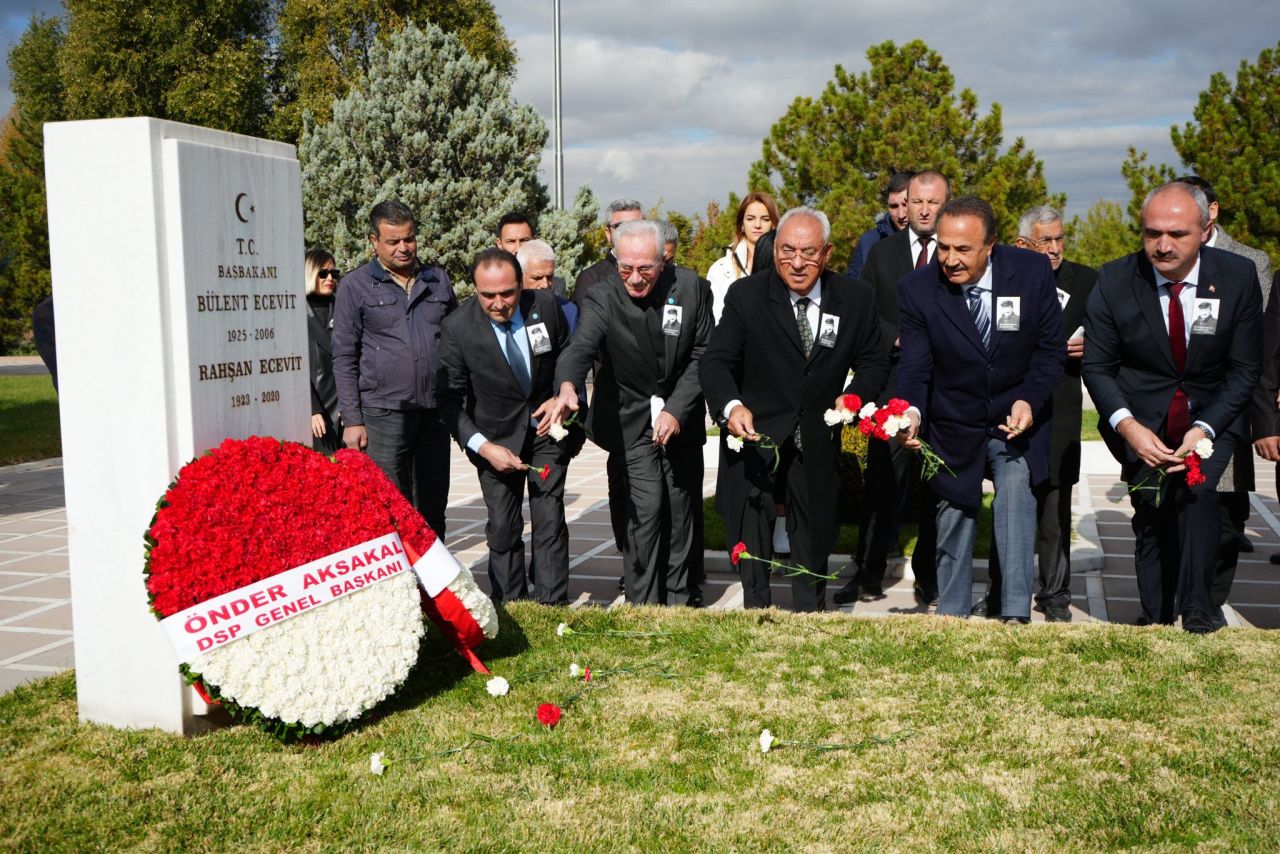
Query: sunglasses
328	274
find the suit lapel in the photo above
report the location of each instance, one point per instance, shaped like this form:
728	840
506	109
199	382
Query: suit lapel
1206	288
534	314
1148	301
954	305
319	334
782	312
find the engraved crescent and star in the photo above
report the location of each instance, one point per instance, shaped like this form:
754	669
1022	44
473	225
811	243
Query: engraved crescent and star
239	213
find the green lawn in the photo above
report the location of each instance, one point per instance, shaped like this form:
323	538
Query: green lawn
28	419
955	735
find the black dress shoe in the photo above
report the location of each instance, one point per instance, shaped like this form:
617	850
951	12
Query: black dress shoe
695	601
1057	613
870	592
924	597
1275	558
1244	543
1015	621
846	594
979	610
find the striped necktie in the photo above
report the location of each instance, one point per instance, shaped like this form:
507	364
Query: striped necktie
978	310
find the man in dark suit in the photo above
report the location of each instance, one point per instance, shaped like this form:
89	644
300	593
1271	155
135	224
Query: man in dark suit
767	374
620	211
889	465
982	393
1160	388
1040	230
889	223
647	411
495	383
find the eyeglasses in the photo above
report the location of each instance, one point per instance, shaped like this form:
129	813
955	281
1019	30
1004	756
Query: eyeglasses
1060	240
645	272
808	255
328	273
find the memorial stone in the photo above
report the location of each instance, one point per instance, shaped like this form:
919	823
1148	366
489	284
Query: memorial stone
177	258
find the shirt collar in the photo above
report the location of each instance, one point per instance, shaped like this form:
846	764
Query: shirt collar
1213	236
517	321
915	238
815	295
985	283
1192	279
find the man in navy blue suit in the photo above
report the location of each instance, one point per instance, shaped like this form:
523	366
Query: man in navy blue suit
981	388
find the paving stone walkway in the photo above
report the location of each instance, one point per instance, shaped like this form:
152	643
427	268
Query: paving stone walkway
35	608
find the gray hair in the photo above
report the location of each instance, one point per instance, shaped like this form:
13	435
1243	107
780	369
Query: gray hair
810	212
1197	195
669	233
619	205
641	228
1039	215
535	250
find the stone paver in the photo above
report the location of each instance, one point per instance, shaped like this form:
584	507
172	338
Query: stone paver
35	613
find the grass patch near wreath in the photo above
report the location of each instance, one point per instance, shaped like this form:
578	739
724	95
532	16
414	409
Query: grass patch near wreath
1070	737
847	543
28	419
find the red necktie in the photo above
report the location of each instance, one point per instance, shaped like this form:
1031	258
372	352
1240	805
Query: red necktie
923	258
1179	420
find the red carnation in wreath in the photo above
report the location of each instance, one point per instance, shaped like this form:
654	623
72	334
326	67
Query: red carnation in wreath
286	580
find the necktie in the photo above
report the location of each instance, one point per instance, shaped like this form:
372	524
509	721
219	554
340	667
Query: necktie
978	310
806	344
516	360
923	257
1179	420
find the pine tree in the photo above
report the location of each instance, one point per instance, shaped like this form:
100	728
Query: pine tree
435	128
565	231
837	152
1102	235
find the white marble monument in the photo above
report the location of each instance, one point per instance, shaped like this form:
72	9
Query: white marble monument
178	291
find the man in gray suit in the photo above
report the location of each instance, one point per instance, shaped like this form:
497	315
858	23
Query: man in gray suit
1237	481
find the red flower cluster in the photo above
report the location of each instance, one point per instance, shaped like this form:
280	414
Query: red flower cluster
549	714
1195	477
232	518
851	402
739	550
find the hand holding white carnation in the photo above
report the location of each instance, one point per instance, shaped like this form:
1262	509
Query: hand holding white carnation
832	417
558	431
733	443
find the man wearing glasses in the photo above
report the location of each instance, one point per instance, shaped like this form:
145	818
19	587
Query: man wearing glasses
646	325
769	375
620	211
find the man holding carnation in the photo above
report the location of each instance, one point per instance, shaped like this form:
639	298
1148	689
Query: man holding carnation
981	388
1165	386
498	356
769	376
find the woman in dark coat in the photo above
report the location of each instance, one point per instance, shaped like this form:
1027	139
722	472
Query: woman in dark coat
322	281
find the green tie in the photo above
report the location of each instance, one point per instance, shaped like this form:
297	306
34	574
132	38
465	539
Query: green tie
806	344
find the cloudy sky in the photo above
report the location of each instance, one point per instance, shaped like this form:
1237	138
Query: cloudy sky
671	98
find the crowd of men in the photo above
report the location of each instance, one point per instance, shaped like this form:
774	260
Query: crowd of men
988	343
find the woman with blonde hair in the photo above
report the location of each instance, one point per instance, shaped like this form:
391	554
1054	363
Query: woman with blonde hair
322	282
757	216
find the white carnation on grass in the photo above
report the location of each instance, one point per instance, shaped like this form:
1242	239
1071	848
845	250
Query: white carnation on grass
558	431
766	741
563	629
1204	449
733	443
327	665
832	417
574	670
497	687
375	764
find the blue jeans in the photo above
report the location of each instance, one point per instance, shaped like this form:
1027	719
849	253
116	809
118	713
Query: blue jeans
1015	533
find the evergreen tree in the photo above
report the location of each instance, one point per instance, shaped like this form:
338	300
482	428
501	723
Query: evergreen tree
434	127
1103	235
1234	143
565	231
837	152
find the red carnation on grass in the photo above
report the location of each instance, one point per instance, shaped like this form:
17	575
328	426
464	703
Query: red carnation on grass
736	555
851	402
586	675
549	714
